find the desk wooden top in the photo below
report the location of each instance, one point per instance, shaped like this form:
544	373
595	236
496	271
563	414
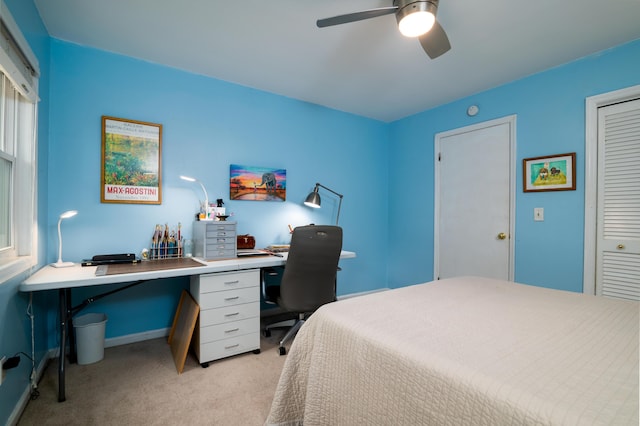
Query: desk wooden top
151	265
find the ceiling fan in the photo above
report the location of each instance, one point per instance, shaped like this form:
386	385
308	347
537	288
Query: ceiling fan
415	19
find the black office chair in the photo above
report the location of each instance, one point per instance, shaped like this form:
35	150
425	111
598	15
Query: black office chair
309	276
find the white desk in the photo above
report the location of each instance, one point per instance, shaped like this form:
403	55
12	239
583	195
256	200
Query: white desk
65	279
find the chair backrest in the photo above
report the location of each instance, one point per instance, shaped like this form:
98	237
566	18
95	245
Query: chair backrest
309	277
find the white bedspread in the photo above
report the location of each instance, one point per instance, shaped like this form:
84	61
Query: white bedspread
464	351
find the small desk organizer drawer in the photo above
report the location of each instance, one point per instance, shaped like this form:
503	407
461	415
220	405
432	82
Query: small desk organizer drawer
216	230
215	240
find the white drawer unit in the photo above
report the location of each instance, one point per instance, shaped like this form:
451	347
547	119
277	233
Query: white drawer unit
215	240
229	319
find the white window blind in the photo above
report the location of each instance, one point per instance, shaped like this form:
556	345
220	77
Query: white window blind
18	121
18	62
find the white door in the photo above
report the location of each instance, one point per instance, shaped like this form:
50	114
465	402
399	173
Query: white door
474	201
618	211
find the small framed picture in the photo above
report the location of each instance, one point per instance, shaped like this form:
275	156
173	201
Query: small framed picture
253	183
550	173
131	162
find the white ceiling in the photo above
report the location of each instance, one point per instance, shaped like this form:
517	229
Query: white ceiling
365	68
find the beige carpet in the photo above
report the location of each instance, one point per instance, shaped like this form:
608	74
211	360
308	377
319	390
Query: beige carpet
139	384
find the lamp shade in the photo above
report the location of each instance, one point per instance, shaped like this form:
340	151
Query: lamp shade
206	195
60	263
313	199
68	214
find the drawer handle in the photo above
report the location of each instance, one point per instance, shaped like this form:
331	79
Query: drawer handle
232	298
232	315
232	346
233	330
231	282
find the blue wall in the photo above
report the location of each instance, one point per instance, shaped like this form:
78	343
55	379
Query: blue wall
209	124
550	109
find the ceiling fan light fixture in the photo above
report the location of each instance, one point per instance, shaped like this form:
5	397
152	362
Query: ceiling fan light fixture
416	24
415	18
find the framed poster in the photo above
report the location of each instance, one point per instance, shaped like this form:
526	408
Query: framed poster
257	183
550	173
131	162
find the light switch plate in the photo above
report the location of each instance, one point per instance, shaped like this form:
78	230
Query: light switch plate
538	214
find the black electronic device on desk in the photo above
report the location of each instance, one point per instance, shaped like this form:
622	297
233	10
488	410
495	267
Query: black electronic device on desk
252	252
107	259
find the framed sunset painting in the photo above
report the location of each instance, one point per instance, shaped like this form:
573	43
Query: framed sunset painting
253	183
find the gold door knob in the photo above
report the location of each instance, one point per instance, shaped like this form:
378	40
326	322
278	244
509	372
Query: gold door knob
620	246
502	236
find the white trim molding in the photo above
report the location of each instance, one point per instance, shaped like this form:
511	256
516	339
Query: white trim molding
592	104
511	120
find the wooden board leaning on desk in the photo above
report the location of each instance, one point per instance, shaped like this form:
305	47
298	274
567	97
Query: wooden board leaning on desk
184	323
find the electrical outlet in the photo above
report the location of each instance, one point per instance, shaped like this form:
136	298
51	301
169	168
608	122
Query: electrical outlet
4	358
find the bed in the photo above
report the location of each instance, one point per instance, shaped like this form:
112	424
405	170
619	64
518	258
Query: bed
464	351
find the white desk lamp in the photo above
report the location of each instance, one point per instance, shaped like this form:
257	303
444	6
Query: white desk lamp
60	263
313	199
206	196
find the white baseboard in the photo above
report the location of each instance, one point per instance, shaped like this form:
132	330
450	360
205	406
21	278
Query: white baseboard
277	310
137	337
125	340
350	295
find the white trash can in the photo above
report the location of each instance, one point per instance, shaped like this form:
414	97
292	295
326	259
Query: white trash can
90	330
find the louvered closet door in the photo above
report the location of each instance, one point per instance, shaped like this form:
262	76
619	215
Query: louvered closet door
618	229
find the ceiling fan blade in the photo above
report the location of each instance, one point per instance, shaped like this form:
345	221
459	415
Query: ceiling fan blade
435	42
357	16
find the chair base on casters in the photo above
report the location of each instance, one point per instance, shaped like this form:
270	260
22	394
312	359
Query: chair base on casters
295	326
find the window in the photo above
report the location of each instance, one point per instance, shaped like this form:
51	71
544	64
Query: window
18	112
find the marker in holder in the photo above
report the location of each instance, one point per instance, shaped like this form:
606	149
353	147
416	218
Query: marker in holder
165	243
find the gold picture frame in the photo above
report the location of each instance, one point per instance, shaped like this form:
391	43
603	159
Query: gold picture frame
550	173
131	166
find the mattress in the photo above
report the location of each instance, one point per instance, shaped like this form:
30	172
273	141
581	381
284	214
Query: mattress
464	351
